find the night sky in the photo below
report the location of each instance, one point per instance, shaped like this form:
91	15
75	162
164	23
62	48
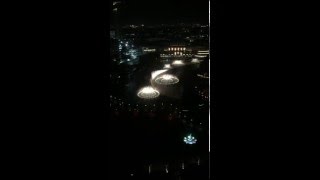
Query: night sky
165	11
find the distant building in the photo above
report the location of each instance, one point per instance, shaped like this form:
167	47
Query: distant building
182	51
174	51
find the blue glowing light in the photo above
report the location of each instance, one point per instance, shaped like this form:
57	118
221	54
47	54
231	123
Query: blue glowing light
190	139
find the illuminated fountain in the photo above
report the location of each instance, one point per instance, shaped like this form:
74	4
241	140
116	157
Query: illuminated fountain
178	63
167	66
166	79
190	139
154	74
148	92
195	60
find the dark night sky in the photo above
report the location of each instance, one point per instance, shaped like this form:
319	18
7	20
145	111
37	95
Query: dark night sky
165	11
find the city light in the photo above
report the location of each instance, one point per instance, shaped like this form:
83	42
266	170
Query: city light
190	139
148	93
177	62
207	51
201	56
167	66
149	50
167	79
195	60
133	53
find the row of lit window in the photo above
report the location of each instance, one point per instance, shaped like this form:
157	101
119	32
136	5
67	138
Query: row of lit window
177	49
175	53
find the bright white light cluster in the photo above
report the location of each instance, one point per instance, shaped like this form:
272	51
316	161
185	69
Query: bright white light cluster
148	93
167	79
195	60
178	62
190	139
167	66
